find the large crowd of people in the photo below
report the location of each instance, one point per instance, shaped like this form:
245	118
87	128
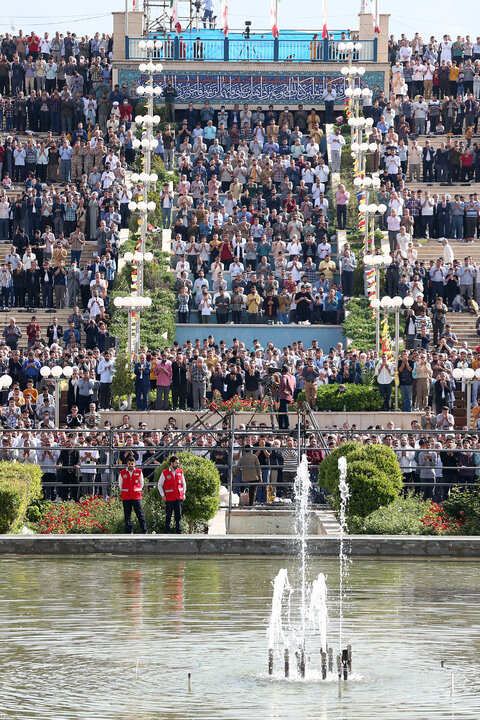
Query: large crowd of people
253	222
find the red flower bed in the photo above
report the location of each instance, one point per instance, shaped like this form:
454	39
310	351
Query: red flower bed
439	522
90	515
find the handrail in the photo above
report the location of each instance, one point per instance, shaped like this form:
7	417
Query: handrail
257	48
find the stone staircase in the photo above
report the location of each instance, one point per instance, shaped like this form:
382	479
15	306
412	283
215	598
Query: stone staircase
87	253
23	318
463	324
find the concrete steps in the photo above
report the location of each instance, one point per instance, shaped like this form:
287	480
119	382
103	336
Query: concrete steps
43	318
432	249
87	253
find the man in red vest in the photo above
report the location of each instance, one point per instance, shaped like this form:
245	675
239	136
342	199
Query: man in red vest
172	488
131	483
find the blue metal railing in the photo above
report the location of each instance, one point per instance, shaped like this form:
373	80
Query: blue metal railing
255	49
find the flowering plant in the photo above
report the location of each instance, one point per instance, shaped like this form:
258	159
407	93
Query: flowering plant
239	404
91	514
437	520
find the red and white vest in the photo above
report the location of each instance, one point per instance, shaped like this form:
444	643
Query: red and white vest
131	484
173	484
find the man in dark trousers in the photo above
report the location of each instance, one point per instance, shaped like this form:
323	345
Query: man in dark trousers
131	483
172	487
170	93
179	383
68	466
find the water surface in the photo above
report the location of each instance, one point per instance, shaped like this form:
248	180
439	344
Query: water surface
72	631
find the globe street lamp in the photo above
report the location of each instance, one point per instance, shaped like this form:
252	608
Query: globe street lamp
396	304
377	261
134	305
57	374
369	210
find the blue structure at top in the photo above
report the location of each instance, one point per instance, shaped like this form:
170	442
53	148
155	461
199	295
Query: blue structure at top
290	46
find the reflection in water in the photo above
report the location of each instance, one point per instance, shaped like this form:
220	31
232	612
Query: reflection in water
73	630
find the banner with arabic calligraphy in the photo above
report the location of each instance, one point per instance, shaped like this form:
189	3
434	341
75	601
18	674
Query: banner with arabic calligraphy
256	88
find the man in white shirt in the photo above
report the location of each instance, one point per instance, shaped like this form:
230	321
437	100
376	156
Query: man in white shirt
95	305
336	142
384	373
420	110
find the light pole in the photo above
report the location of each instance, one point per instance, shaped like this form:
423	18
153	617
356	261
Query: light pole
350	71
467	375
134	305
57	374
143	207
139	259
148	143
396	304
370	210
376	261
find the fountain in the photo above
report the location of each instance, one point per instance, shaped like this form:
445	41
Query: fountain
288	637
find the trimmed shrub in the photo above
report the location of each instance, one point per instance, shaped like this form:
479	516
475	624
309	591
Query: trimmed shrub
203	486
373	476
463	505
401	517
20	485
369	486
349	398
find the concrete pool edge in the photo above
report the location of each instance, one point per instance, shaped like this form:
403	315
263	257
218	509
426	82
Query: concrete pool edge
273	545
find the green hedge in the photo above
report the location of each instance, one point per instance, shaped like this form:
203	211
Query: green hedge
373	476
359	325
349	398
20	485
401	517
203	486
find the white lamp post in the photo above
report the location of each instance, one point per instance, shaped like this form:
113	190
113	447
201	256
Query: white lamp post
396	304
370	210
377	261
57	374
5	382
134	305
148	143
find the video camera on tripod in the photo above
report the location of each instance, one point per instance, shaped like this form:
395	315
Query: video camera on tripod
246	32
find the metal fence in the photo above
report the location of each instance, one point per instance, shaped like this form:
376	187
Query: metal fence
252	49
224	441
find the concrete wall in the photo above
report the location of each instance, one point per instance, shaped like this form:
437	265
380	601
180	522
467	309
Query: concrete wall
367	32
134	28
327	335
196	545
271	522
156	420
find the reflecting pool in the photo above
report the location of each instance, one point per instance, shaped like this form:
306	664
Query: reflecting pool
114	638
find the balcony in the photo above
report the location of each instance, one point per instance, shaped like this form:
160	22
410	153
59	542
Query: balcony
211	46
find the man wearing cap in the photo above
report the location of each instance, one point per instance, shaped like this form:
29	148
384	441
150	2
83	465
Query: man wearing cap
131	482
172	487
